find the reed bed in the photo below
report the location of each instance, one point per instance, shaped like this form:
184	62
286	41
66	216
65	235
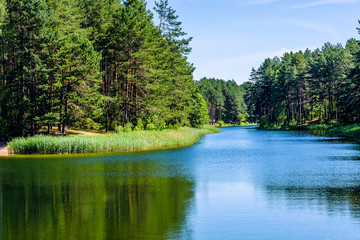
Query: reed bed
114	142
336	130
350	131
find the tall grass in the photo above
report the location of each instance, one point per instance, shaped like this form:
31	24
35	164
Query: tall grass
351	131
348	131
319	126
125	141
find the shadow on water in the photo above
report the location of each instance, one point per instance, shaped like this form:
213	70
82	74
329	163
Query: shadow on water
293	185
95	198
328	200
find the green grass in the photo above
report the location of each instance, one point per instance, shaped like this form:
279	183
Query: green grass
350	131
347	131
335	130
246	124
114	142
319	126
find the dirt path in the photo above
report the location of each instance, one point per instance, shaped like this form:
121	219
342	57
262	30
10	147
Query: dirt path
3	149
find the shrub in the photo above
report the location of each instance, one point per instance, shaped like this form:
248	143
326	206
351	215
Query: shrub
128	127
222	123
162	125
119	129
139	125
150	127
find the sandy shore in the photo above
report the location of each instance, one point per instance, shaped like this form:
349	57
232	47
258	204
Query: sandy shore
3	149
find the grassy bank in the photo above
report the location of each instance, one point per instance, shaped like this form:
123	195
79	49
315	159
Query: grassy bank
349	131
246	124
114	142
334	130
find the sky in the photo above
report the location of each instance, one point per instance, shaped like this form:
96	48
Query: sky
230	37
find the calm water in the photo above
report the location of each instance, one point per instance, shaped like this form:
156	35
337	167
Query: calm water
242	183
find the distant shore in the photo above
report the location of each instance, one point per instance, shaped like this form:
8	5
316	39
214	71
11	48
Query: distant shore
351	132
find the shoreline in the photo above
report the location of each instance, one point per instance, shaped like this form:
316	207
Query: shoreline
349	132
4	151
105	143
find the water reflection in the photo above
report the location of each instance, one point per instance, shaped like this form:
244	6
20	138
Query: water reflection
77	199
239	184
330	201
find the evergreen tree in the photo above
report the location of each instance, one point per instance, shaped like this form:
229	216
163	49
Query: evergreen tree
26	65
170	27
225	100
77	77
200	115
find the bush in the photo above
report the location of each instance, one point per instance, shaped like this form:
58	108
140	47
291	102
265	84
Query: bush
151	127
128	127
178	127
119	129
222	123
139	125
199	114
162	125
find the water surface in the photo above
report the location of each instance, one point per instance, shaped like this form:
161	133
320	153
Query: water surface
242	183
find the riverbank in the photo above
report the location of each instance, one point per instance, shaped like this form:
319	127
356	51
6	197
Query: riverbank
112	142
3	149
222	124
351	132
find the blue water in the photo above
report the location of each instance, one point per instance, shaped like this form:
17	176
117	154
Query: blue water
242	183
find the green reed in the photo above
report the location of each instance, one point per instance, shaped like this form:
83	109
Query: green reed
112	142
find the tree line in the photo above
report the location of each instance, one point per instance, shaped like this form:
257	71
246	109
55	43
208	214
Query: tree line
225	100
307	86
94	64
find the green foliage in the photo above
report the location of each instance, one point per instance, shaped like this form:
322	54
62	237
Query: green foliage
305	87
200	114
53	73
170	27
221	123
225	100
319	126
139	125
128	127
209	127
27	64
150	127
352	131
162	125
119	129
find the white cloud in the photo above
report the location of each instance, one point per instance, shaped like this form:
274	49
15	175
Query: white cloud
326	2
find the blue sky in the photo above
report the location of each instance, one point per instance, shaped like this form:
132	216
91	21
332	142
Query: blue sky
232	36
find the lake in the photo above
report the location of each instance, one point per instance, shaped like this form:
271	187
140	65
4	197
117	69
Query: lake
242	183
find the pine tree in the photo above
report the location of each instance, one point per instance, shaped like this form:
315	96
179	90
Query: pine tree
27	38
170	27
200	114
77	69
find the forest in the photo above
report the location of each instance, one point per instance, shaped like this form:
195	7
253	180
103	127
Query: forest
320	86
94	64
225	100
106	64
